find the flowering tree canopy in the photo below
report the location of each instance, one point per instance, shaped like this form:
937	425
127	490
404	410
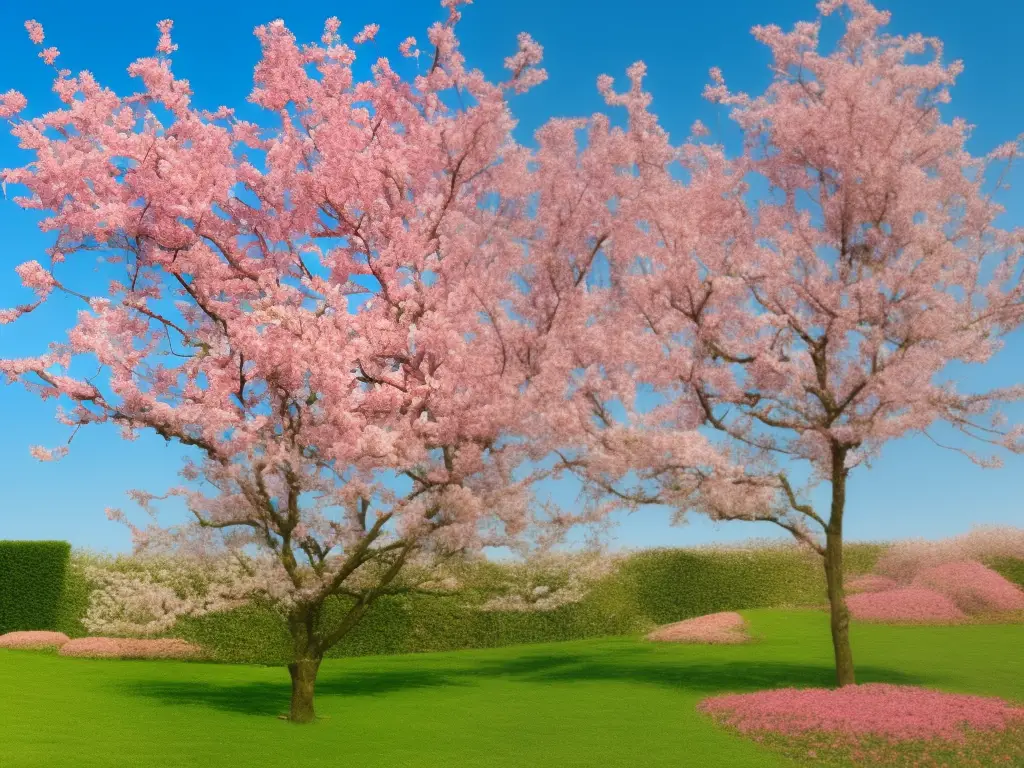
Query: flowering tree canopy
331	311
813	322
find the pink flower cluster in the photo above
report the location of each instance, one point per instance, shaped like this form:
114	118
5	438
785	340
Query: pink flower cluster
939	581
718	628
906	604
972	586
33	640
124	648
898	712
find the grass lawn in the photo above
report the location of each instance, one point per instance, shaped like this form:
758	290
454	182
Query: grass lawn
609	702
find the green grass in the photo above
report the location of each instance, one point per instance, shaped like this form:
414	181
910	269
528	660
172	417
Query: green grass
609	702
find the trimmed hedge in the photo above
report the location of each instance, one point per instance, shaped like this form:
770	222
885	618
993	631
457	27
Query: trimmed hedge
416	624
32	577
674	584
651	587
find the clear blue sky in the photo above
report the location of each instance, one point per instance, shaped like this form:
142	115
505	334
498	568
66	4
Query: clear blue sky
915	489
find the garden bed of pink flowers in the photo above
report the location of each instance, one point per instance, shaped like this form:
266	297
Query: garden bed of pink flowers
908	604
715	628
33	640
973	587
124	648
928	584
877	724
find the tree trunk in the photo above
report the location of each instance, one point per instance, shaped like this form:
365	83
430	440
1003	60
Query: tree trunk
303	674
840	616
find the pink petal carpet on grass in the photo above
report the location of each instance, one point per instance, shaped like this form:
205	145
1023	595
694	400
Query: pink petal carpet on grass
33	640
727	627
973	587
909	604
125	648
897	712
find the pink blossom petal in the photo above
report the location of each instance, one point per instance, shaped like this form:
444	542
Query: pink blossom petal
727	627
130	648
899	712
910	604
33	640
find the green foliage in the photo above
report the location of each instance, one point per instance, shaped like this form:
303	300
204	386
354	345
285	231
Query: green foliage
32	575
420	623
74	600
674	584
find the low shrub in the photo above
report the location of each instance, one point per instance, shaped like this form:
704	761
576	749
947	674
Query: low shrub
33	640
717	628
907	604
32	577
973	587
899	712
876	724
126	648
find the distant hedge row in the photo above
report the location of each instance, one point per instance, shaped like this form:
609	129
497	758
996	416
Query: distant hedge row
651	587
32	577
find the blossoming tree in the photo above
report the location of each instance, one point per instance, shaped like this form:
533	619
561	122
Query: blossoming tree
326	311
811	323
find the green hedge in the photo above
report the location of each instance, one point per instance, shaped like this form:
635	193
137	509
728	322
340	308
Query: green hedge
32	578
411	624
674	584
650	588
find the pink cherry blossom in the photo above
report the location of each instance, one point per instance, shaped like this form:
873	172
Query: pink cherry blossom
35	31
344	451
368	33
165	46
736	335
408	47
11	103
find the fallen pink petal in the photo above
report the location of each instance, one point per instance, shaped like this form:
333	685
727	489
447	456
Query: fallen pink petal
127	648
715	628
33	640
972	587
898	712
909	604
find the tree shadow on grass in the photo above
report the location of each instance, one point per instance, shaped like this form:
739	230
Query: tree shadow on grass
621	665
272	698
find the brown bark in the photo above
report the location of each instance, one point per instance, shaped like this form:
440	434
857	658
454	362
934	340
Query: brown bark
303	673
840	616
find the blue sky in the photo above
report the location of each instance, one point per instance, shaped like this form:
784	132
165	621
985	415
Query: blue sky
915	489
